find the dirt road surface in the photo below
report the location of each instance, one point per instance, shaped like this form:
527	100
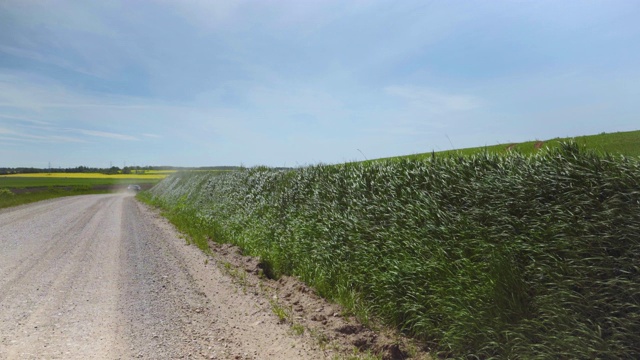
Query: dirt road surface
103	277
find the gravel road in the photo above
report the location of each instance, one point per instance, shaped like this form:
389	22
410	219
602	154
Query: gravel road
104	277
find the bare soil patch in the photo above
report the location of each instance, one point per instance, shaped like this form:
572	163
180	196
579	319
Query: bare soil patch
538	145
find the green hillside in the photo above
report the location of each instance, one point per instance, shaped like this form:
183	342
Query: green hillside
625	143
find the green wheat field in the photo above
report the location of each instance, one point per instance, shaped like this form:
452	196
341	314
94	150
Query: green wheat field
484	253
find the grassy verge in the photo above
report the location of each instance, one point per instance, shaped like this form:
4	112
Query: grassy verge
181	213
488	255
8	198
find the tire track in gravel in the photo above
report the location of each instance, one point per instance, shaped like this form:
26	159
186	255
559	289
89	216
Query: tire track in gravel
59	304
58	248
27	212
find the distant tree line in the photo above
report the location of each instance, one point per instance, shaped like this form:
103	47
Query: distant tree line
111	170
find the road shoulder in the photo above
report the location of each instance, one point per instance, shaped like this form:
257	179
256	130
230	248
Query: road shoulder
307	326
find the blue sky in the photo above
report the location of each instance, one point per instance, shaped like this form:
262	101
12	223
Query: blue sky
289	83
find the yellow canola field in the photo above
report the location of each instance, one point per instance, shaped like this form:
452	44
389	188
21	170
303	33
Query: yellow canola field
159	172
89	176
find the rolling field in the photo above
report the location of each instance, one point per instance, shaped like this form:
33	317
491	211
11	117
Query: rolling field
17	189
623	143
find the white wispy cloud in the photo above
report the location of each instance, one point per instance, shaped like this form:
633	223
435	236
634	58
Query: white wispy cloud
23	119
208	14
27	92
36	56
104	134
24	137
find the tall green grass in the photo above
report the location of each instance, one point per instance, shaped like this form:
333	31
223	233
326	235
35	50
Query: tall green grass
9	199
489	256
